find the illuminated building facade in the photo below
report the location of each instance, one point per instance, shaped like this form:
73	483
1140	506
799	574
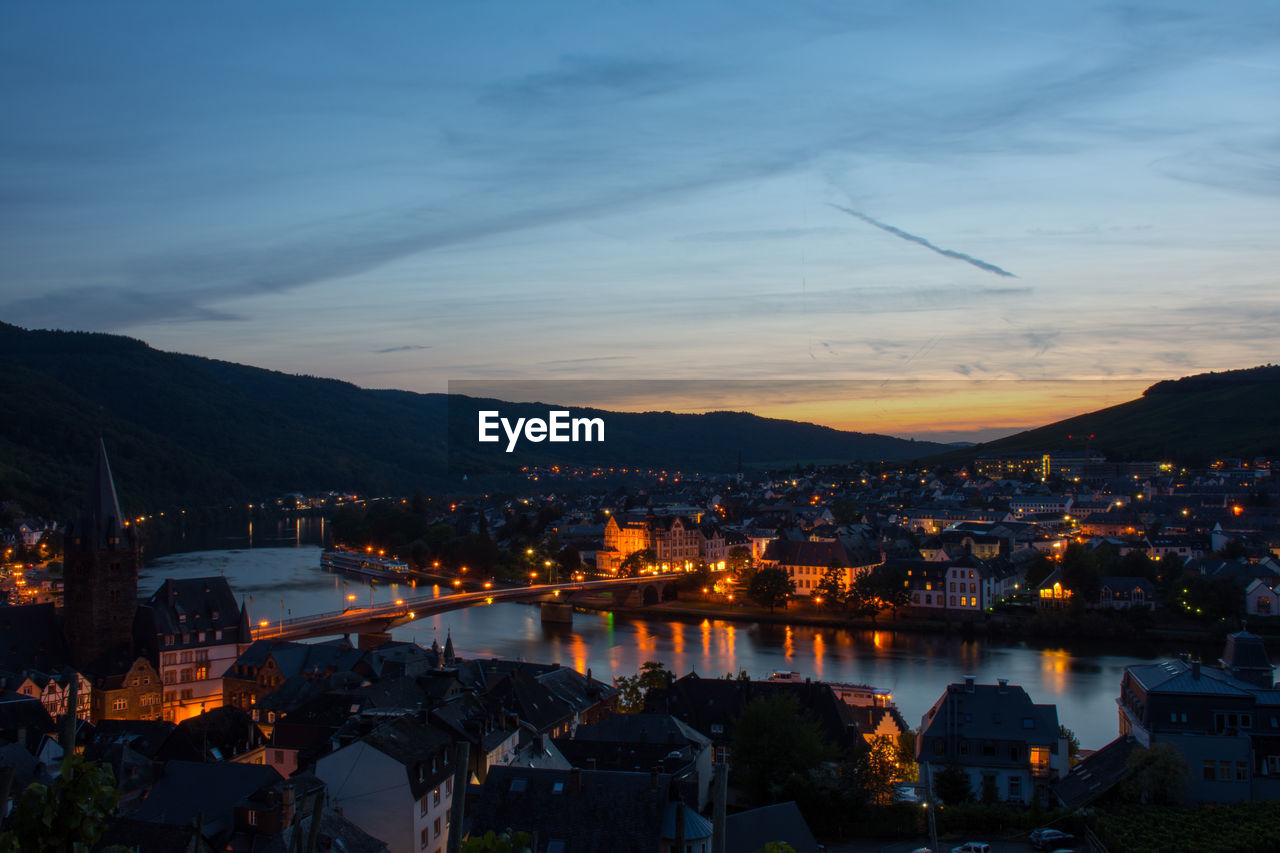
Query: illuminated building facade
676	543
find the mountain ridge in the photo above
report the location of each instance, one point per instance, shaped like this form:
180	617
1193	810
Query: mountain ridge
189	430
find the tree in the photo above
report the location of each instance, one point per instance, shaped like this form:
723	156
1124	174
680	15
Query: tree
739	558
68	816
951	785
879	769
1073	745
771	588
504	842
1157	775
636	562
633	689
774	746
776	847
831	589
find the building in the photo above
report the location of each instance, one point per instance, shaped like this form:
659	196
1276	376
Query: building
968	585
192	630
1262	598
100	570
641	742
592	810
1013	466
395	783
807	562
1035	504
135	694
1125	593
1224	721
54	690
1007	746
675	542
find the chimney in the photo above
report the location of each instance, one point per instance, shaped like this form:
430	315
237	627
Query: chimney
575	780
286	806
1002	685
968	683
1195	670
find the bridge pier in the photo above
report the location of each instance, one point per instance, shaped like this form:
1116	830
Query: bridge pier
556	613
372	639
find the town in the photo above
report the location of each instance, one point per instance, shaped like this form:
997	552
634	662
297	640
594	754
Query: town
204	737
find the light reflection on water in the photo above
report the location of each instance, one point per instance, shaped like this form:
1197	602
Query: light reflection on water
916	667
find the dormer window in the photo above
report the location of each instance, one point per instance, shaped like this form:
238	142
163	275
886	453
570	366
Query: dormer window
182	617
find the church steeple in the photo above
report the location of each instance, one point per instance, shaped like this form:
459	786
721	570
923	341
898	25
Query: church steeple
101	526
100	588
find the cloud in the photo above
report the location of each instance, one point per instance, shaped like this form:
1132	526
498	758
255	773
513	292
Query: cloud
1041	342
110	308
405	348
579	76
590	360
912	238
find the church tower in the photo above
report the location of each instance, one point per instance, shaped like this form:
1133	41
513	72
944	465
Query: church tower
100	571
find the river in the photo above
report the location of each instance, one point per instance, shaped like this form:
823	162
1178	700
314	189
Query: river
1083	682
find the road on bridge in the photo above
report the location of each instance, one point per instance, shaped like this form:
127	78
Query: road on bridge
383	617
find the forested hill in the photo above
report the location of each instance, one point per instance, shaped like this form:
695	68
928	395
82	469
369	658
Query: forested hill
1193	420
188	431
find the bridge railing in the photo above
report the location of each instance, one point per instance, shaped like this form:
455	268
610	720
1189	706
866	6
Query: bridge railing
409	604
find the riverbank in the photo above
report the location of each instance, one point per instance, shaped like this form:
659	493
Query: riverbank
1090	626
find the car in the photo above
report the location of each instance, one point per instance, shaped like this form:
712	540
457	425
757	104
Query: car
972	847
906	792
1045	838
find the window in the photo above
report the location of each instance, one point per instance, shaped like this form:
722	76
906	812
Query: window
1242	772
436	827
1015	787
422	806
202	672
120	703
953	601
989	750
426	836
253	818
435	797
448	787
964	747
186	694
1224	771
1013	753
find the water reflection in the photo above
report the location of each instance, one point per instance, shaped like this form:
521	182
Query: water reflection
915	667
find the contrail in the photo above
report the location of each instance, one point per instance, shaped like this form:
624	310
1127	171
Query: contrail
946	253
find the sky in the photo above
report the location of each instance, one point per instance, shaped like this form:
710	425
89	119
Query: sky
407	194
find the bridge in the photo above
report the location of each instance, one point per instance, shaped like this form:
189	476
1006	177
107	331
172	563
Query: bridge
373	624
